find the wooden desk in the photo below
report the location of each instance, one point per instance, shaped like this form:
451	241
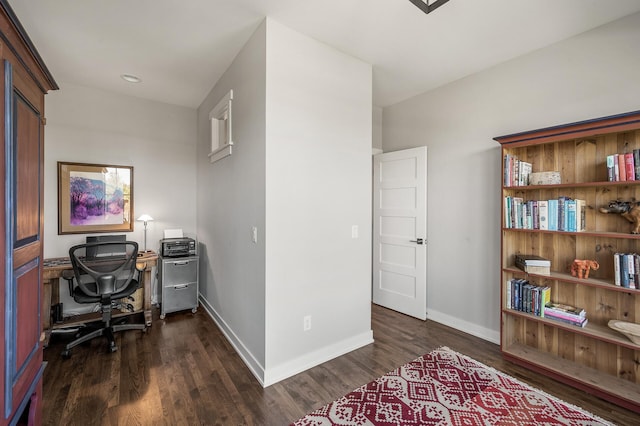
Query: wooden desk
52	272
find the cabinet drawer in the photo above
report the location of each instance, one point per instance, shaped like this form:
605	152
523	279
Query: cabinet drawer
179	297
179	271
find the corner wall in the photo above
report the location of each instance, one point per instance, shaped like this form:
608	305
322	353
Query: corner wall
230	201
300	173
591	75
318	186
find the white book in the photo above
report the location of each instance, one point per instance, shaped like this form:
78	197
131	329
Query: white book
616	268
543	213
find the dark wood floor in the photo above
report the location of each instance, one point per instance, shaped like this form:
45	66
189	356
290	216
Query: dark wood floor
183	372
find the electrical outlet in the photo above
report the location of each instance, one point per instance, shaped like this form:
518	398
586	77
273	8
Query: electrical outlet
254	234
354	231
306	323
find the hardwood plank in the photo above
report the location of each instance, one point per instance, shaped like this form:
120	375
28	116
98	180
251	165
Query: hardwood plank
183	371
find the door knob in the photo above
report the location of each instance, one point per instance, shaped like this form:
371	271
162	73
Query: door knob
418	241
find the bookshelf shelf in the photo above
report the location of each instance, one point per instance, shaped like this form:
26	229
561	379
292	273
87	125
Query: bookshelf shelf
595	331
602	184
586	378
593	358
568	278
583	233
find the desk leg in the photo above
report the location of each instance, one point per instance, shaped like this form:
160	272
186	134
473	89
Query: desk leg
45	309
147	296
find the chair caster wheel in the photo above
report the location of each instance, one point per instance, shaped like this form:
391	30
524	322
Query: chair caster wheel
162	316
194	310
66	354
113	348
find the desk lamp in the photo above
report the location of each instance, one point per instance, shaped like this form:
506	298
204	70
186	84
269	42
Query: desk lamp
145	218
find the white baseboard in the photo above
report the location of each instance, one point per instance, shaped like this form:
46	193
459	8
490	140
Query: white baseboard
467	327
273	375
251	362
312	359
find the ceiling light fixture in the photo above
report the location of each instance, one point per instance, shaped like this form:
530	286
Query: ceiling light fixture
428	6
131	78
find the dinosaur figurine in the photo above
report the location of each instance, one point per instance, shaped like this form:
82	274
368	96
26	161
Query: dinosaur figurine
629	210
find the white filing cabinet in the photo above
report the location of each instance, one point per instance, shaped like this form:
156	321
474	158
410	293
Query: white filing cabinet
179	283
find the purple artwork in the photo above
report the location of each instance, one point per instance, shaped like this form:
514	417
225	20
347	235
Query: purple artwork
96	198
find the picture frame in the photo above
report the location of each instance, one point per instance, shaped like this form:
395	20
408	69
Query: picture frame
94	198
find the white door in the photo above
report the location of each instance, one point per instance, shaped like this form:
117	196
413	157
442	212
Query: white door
400	231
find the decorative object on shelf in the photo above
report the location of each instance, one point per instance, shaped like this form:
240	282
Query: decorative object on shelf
630	329
581	268
545	178
145	218
629	210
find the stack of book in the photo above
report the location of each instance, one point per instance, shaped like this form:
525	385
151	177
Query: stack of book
526	297
623	167
565	313
516	172
561	214
626	270
533	264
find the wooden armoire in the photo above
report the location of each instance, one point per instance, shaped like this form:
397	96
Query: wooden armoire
24	82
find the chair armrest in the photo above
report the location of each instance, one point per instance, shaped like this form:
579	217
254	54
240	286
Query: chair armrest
69	275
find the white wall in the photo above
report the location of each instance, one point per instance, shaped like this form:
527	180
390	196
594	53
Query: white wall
300	172
92	126
318	185
591	75
230	201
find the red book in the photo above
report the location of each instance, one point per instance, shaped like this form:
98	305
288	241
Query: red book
621	167
629	165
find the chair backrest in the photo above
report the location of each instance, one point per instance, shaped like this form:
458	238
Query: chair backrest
105	276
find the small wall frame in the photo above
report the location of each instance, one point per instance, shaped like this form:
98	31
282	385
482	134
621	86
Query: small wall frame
221	129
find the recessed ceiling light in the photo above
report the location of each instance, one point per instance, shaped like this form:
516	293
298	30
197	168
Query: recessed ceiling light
131	78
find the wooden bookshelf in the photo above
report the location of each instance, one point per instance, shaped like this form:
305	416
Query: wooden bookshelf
595	358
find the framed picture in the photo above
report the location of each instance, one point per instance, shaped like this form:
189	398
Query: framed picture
94	198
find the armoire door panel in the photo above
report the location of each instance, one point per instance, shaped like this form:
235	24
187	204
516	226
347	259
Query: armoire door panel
28	153
28	302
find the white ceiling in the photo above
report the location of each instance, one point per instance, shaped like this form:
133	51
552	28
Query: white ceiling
181	47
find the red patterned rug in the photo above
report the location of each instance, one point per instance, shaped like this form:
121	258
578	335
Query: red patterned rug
444	387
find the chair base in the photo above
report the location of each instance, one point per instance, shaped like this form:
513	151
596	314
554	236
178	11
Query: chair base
108	332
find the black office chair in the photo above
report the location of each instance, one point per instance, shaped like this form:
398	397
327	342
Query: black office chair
105	280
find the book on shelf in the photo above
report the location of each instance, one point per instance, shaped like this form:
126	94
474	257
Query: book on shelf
581	215
623	167
543	213
630	169
525	169
531	260
626	268
611	176
622	170
570	215
523	296
516	171
538	270
578	322
552	214
564	309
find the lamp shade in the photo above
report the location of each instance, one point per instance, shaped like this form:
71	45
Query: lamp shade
145	218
